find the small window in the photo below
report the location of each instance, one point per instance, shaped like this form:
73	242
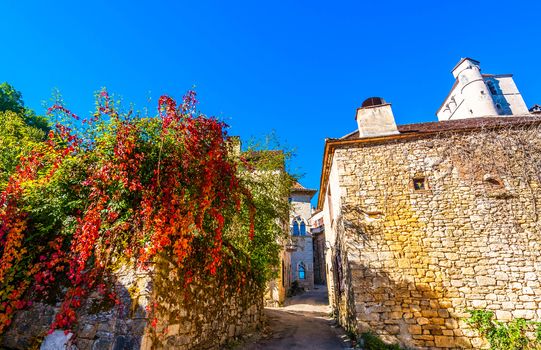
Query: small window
492	88
419	184
499	106
303	228
302	271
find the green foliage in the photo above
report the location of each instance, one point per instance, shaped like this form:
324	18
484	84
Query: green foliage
76	202
373	342
295	289
12	100
505	336
262	173
16	138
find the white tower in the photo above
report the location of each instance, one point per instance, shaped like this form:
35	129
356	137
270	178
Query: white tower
479	102
480	95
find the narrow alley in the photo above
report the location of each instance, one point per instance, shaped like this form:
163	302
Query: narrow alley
304	323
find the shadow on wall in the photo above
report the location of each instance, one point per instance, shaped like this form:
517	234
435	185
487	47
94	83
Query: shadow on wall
200	311
161	308
100	326
412	314
393	299
503	107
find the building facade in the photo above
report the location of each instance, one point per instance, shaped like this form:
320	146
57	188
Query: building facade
427	221
296	256
318	239
302	257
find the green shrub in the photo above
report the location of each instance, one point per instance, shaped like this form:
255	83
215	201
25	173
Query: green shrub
505	336
373	342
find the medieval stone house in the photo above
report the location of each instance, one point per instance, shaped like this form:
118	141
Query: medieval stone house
297	255
427	221
302	254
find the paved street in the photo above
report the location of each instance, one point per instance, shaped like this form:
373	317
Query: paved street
304	323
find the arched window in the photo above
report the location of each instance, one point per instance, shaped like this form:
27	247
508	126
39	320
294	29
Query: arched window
295	228
298	227
302	271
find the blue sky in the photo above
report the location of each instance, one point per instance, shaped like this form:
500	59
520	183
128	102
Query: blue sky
298	68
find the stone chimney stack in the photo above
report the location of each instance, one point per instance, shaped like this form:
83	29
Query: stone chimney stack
375	118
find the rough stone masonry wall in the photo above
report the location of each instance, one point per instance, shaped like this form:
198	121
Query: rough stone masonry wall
206	317
414	261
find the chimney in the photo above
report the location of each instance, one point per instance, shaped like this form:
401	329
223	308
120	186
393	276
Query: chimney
375	118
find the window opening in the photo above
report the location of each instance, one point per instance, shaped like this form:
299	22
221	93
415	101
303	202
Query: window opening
494	182
492	88
302	272
419	184
295	230
283	274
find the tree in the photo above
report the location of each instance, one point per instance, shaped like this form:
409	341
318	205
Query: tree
16	138
12	100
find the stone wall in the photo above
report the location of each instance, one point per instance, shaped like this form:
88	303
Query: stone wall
430	228
276	289
204	315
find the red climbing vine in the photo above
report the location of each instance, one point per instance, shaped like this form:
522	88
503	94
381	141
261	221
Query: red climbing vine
125	187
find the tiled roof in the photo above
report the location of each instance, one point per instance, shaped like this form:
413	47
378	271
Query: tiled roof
457	125
297	187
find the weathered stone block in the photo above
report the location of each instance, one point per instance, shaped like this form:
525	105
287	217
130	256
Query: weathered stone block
422	321
414	329
485	281
445	341
503	315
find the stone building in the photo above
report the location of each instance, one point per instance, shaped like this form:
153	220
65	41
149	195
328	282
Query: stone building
476	95
427	221
278	287
296	257
302	257
318	237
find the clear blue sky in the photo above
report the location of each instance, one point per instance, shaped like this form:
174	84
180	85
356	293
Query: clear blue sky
300	68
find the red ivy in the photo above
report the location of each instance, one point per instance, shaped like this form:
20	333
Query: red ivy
179	184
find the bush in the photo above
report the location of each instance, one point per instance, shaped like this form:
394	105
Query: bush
505	336
118	187
371	341
295	289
